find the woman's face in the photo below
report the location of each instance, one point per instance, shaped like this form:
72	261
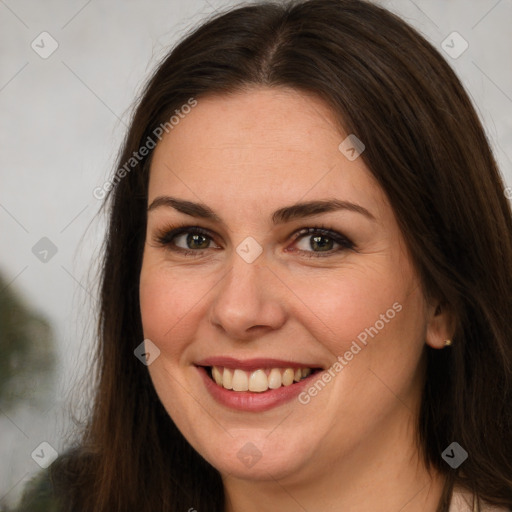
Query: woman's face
257	294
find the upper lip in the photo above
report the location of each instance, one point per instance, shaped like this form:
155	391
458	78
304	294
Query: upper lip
253	364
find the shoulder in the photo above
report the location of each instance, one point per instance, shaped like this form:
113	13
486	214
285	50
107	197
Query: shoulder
462	501
39	495
55	489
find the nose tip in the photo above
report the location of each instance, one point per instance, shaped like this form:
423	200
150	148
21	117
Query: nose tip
248	301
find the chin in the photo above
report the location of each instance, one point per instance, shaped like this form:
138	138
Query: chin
256	457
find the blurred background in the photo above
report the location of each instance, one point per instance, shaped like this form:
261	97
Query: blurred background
70	72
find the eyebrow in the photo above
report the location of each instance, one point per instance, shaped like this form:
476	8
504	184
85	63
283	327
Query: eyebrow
286	214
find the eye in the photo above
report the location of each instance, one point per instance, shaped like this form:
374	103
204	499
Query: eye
320	242
189	240
312	242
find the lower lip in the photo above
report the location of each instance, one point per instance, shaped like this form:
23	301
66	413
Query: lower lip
251	401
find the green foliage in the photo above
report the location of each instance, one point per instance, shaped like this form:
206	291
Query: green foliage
26	351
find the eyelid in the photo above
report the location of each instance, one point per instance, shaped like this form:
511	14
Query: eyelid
343	241
165	237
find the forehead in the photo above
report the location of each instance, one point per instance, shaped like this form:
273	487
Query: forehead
265	146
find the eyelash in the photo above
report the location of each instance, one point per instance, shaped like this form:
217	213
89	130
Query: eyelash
165	239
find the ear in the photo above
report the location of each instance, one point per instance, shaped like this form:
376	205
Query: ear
440	324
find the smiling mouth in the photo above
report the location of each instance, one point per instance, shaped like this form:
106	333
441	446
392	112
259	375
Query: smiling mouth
257	381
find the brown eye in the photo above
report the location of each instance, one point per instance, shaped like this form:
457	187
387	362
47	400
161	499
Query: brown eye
187	239
319	240
193	241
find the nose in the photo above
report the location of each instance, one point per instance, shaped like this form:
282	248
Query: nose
249	301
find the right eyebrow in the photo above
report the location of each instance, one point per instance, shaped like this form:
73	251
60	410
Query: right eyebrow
187	207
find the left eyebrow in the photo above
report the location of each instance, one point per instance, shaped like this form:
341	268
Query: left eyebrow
310	208
286	214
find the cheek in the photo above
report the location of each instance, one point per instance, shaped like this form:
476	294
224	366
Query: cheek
172	302
342	305
165	302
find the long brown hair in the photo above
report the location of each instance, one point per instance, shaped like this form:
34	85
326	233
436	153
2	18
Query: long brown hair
426	147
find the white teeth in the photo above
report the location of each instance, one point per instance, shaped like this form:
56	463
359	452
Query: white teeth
258	381
240	381
217	376
274	379
288	377
227	378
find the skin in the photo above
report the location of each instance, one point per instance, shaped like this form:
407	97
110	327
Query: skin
353	446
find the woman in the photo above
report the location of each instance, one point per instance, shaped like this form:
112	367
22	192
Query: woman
309	232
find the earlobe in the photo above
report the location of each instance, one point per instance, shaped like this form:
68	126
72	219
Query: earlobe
440	326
